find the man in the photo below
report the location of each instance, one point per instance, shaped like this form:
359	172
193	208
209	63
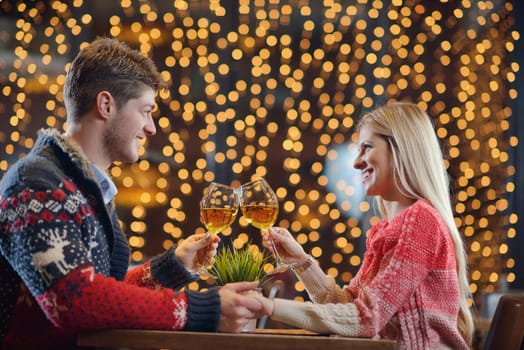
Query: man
64	259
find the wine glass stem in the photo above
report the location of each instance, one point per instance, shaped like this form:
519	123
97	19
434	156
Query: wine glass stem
204	270
280	261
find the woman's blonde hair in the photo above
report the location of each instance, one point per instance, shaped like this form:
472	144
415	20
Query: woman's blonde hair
420	173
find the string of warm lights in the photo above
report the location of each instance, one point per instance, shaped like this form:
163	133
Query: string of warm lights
274	88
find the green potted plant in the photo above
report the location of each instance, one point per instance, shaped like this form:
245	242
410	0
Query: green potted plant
237	265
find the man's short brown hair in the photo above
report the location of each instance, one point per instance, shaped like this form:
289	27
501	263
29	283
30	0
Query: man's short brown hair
107	65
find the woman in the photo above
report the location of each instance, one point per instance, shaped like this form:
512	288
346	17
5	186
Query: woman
412	286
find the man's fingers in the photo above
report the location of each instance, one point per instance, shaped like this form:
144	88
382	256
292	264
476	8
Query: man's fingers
241	287
244	313
238	308
200	241
253	305
196	237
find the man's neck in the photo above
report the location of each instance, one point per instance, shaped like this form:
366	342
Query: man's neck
90	140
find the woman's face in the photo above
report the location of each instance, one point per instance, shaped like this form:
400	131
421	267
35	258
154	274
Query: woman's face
375	162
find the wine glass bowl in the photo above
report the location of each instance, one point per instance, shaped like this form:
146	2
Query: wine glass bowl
218	210
259	205
218	207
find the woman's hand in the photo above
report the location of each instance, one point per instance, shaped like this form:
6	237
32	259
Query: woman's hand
197	250
288	248
268	305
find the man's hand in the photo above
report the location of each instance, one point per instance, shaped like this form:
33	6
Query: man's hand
197	250
237	306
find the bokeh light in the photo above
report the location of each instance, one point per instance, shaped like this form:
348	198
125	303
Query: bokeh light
274	88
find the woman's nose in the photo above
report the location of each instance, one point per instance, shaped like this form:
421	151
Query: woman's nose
358	163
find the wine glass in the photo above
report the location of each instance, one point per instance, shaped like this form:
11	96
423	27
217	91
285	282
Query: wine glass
259	205
218	210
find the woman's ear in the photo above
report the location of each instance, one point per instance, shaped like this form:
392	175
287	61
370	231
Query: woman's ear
105	104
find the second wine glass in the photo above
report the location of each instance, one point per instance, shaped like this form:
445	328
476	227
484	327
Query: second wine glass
259	205
218	210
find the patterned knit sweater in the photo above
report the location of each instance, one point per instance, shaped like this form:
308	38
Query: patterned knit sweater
406	288
64	259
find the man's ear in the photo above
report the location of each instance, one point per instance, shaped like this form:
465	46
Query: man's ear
105	104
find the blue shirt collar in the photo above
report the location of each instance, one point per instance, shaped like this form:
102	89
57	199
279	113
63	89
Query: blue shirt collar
107	185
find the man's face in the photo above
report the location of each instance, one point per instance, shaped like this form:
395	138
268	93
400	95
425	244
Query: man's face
129	127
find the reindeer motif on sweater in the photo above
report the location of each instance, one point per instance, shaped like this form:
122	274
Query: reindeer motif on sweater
54	256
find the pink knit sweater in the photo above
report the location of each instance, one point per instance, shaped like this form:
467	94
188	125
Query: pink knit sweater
406	289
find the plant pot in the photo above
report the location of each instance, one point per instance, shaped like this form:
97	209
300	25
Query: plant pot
250	327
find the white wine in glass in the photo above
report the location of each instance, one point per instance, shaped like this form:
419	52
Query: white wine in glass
218	210
259	205
260	215
217	220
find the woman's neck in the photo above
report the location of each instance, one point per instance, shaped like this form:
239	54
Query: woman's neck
394	208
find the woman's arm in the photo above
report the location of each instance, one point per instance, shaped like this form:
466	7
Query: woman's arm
403	262
320	287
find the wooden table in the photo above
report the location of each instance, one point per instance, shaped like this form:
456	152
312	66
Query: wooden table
261	339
